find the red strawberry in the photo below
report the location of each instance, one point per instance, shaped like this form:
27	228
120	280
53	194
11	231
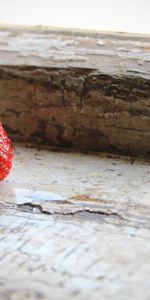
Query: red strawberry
5	154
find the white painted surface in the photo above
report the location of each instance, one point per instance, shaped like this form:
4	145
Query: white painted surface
115	15
91	256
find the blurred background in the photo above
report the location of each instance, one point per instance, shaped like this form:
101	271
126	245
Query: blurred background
109	15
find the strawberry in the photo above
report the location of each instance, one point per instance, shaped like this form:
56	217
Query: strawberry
5	153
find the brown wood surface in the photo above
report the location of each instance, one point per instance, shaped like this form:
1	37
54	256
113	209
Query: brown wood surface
80	90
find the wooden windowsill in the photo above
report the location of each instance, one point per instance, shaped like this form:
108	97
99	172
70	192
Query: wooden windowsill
75	225
85	90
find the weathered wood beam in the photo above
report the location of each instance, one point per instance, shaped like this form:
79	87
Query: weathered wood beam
82	91
94	244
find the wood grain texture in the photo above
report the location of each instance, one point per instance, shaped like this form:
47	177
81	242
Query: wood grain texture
76	90
99	252
46	257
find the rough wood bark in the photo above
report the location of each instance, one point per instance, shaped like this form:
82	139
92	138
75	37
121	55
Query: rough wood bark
76	90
